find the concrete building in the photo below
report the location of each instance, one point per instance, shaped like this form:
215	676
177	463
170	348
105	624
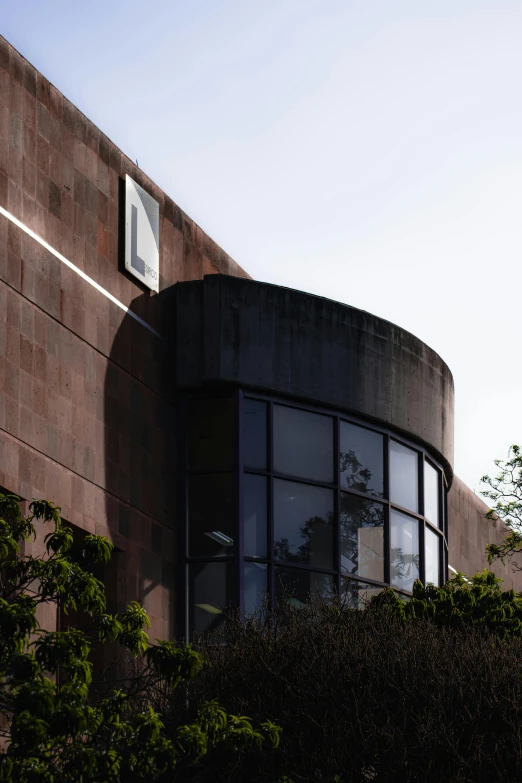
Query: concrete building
226	435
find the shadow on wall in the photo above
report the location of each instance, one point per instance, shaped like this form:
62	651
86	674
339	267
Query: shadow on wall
140	461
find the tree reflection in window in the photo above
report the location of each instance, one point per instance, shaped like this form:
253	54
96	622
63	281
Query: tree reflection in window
357	595
314	534
404	568
362	537
303	523
361	460
405	557
297	586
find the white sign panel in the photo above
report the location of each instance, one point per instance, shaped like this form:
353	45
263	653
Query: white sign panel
141	234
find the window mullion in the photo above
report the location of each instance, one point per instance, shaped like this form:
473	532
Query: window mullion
387	520
337	503
239	510
182	579
270	508
422	524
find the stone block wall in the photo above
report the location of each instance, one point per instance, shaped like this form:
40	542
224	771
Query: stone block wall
470	531
86	417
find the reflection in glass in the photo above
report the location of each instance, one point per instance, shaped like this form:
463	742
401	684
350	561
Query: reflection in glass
431	493
356	595
297	587
404	535
254	434
432	547
362	537
254	587
404	484
209	595
254	515
303	523
209	434
362	459
303	444
211	526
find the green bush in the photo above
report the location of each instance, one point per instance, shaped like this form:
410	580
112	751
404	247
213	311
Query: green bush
425	690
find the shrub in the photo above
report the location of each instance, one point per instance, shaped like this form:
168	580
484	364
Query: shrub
430	690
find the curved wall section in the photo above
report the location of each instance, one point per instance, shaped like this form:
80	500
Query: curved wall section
292	343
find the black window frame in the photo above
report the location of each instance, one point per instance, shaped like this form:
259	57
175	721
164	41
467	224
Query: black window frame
240	469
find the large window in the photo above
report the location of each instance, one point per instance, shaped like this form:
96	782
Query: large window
362	537
284	503
303	523
303	444
405	552
209	492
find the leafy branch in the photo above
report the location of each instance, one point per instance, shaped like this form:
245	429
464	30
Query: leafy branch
55	727
505	490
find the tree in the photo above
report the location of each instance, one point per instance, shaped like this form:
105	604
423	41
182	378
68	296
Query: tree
505	490
429	689
55	728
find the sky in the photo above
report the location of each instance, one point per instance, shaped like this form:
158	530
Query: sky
368	151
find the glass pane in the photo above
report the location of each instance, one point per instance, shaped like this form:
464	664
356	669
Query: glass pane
210	434
432	545
404	534
431	493
254	515
362	459
209	595
404	485
356	595
303	444
254	587
297	586
362	537
211	524
303	523
254	434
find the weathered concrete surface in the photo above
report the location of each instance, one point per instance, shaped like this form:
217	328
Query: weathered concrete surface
288	342
470	531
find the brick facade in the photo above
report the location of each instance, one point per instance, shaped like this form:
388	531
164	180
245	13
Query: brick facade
85	419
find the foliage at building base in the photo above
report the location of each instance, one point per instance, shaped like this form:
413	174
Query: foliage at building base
55	728
429	689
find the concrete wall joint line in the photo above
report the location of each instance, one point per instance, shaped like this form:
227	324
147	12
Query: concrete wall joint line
78	271
71	470
94	348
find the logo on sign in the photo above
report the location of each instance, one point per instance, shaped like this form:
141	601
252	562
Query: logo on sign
141	234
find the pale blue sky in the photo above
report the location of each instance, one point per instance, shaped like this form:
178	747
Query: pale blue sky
369	151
